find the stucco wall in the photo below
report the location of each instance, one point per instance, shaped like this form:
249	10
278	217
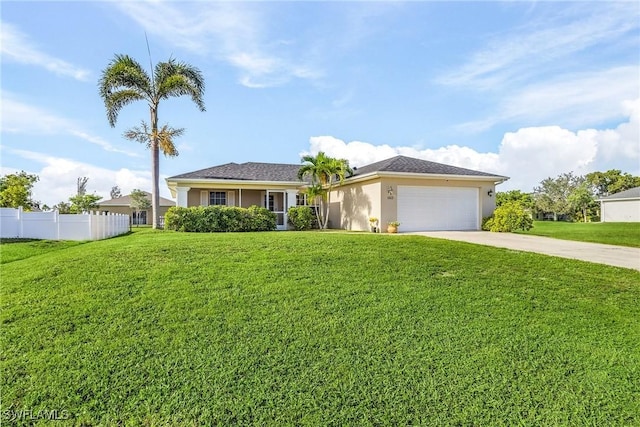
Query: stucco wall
354	204
621	211
249	197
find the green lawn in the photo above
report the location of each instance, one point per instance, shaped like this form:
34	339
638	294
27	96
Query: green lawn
311	328
612	233
16	249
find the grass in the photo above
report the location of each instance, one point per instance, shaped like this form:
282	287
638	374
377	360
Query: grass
294	328
612	233
17	249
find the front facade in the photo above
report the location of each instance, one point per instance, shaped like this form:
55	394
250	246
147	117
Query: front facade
122	205
621	207
421	195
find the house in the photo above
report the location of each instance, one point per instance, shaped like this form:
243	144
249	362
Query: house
421	195
123	205
621	207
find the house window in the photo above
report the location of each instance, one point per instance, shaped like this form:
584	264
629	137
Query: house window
218	198
301	200
271	205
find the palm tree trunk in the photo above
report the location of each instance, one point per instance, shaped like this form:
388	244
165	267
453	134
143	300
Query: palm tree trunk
155	168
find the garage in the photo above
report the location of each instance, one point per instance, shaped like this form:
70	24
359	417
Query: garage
438	208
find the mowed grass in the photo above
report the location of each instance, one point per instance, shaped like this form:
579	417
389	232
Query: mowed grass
16	249
293	328
612	233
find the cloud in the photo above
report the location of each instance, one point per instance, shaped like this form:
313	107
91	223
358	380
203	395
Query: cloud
233	32
16	46
18	117
527	155
574	100
543	43
58	178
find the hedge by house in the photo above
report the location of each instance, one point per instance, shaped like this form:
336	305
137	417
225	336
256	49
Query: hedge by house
208	219
301	218
508	217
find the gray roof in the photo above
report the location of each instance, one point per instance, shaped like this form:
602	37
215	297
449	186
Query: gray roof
126	201
403	164
632	193
250	171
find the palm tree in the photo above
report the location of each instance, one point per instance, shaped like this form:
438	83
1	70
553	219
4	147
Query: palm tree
125	81
324	172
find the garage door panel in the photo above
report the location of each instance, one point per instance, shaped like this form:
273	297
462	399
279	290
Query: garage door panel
438	208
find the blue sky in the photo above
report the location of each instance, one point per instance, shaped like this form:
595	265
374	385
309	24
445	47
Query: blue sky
524	89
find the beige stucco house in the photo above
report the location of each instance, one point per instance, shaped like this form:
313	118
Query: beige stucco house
123	205
421	195
621	207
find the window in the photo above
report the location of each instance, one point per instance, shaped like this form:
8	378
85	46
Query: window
271	205
218	198
301	200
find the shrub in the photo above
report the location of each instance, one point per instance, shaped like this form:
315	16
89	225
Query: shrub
207	219
301	217
508	217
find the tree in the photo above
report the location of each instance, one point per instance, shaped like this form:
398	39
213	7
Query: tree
15	190
83	203
115	192
553	194
63	208
164	137
324	172
525	199
124	81
508	217
139	201
82	185
611	181
581	199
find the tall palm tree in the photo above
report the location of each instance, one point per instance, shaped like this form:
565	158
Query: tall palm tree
125	81
324	172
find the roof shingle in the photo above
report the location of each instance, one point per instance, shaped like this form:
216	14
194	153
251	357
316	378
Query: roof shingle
631	193
403	164
250	171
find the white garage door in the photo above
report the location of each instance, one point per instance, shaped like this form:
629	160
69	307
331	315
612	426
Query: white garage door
438	208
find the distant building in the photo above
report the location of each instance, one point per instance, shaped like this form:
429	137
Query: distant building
123	205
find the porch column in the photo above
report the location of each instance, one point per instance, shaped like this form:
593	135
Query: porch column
240	197
182	193
290	202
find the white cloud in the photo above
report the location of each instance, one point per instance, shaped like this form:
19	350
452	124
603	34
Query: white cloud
15	46
527	155
58	178
17	117
233	32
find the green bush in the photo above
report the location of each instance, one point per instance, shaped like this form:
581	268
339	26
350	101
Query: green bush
508	217
301	217
208	219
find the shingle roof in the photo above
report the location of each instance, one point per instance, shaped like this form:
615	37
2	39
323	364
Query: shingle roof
403	164
631	193
126	201
250	171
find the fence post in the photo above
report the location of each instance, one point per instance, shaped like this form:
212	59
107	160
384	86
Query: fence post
56	220
20	227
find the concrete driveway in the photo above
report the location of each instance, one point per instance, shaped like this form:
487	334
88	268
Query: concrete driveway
618	256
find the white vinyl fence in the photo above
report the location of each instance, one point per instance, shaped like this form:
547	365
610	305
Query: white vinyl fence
14	223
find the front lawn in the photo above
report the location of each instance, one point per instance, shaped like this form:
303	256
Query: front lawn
312	328
612	233
16	249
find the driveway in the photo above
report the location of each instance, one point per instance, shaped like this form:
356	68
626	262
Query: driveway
617	256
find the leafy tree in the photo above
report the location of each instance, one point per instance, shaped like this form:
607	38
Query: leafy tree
63	207
324	172
83	203
581	200
15	190
139	201
525	199
125	81
553	194
115	192
611	182
508	217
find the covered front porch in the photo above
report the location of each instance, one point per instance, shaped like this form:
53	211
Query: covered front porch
277	200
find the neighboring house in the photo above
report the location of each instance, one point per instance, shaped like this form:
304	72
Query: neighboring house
123	205
621	207
421	195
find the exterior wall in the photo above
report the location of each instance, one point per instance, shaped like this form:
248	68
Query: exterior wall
126	210
249	197
620	211
354	204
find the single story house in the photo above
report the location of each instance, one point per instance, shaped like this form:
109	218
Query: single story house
138	217
621	207
420	194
